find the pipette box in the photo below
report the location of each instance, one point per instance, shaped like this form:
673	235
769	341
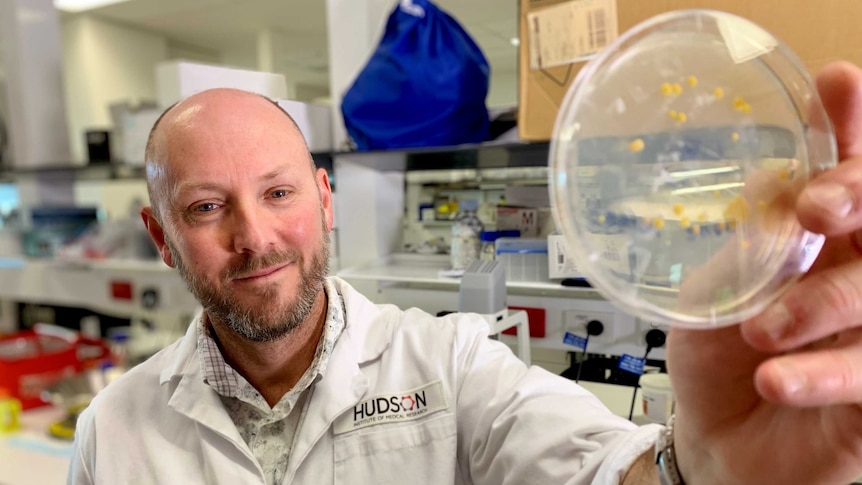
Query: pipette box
525	259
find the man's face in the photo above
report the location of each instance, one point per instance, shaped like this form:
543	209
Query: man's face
249	217
260	324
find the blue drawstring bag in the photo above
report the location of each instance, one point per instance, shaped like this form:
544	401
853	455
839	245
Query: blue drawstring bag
425	85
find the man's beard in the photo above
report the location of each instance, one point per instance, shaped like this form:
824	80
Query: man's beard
256	323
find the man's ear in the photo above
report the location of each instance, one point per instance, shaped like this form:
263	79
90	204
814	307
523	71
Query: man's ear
325	196
157	234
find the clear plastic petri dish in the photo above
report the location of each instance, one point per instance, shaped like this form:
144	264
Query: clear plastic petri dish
676	161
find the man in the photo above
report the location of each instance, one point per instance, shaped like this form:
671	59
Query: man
289	377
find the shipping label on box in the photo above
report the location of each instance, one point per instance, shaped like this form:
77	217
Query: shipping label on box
518	218
570	32
552	53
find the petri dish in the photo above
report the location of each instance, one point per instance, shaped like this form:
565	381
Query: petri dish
675	164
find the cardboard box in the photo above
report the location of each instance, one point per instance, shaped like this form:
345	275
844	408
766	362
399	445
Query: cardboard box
518	218
819	32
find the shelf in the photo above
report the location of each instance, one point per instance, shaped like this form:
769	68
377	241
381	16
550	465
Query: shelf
103	171
71	172
483	156
423	271
89	284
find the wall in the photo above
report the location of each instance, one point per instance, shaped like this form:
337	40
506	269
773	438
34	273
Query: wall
104	64
503	91
242	56
180	50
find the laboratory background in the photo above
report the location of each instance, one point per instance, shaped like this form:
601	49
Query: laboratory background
447	215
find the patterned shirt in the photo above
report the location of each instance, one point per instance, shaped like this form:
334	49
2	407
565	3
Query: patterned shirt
269	432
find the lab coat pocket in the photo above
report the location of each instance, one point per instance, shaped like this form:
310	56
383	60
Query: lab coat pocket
415	452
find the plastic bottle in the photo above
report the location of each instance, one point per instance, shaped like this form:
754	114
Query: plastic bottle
10	412
465	235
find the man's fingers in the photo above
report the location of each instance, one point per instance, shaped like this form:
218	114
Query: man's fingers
822	377
821	305
831	204
840	88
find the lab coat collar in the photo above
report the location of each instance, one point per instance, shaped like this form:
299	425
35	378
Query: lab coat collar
191	396
367	324
184	359
366	336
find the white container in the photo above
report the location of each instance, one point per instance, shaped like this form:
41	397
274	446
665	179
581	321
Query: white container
176	80
314	121
657	397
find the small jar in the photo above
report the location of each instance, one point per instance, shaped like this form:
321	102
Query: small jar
488	250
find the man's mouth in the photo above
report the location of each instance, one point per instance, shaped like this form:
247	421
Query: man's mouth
261	273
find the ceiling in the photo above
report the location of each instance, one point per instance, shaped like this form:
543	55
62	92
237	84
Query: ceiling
298	27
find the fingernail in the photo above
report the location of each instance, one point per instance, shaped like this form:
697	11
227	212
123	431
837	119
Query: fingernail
776	321
793	381
832	197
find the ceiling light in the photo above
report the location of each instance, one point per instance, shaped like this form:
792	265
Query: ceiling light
515	41
81	5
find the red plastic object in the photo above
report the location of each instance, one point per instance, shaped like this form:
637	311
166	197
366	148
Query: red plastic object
536	319
121	290
30	362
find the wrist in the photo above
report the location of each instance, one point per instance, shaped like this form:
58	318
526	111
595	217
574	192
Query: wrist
666	457
695	459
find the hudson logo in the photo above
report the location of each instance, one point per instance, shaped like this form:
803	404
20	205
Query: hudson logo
414	403
394	407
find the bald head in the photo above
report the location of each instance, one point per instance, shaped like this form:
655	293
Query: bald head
208	116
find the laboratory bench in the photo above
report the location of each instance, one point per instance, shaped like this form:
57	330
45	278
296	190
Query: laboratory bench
115	287
30	455
409	280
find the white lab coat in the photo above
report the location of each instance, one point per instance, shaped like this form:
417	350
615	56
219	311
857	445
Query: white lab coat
454	407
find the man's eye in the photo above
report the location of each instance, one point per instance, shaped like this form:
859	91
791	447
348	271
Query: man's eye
277	194
205	207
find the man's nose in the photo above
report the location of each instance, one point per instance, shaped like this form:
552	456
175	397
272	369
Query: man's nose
252	229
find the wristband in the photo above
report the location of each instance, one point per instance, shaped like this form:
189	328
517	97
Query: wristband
665	457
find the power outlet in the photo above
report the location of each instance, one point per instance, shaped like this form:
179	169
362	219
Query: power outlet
643	328
575	321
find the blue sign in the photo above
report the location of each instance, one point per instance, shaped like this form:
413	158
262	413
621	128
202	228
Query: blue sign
575	341
630	363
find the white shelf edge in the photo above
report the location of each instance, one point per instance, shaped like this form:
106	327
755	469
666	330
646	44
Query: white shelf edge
423	269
